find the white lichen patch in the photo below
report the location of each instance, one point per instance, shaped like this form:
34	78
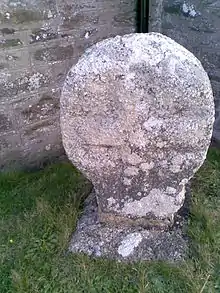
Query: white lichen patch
138	138
163	163
131	171
170	190
48	147
35	81
176	163
132	159
161	173
50	14
111	201
146	187
161	155
87	35
157	202
7	15
189	9
181	195
126	181
130	76
4	77
161	144
129	243
153	124
147	166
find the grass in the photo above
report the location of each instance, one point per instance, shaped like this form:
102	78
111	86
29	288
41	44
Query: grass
39	210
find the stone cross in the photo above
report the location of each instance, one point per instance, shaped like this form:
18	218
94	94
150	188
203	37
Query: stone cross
137	114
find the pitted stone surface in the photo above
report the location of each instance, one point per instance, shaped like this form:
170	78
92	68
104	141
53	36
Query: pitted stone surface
136	116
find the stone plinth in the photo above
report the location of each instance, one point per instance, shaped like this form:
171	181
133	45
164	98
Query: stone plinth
125	242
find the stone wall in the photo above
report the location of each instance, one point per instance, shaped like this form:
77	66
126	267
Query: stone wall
194	24
39	41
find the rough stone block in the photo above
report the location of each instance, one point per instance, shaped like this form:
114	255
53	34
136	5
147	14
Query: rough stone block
14	59
45	148
10	149
34	108
40	131
137	113
24	81
8	141
54	53
41	141
5	122
11	159
124	19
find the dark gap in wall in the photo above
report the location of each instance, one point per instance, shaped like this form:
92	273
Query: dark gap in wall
142	15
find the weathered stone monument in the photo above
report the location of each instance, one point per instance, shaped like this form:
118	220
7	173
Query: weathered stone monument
136	117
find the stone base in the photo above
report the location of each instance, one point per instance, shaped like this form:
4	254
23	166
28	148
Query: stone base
126	243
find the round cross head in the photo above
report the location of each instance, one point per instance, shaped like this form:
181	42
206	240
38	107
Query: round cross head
137	113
